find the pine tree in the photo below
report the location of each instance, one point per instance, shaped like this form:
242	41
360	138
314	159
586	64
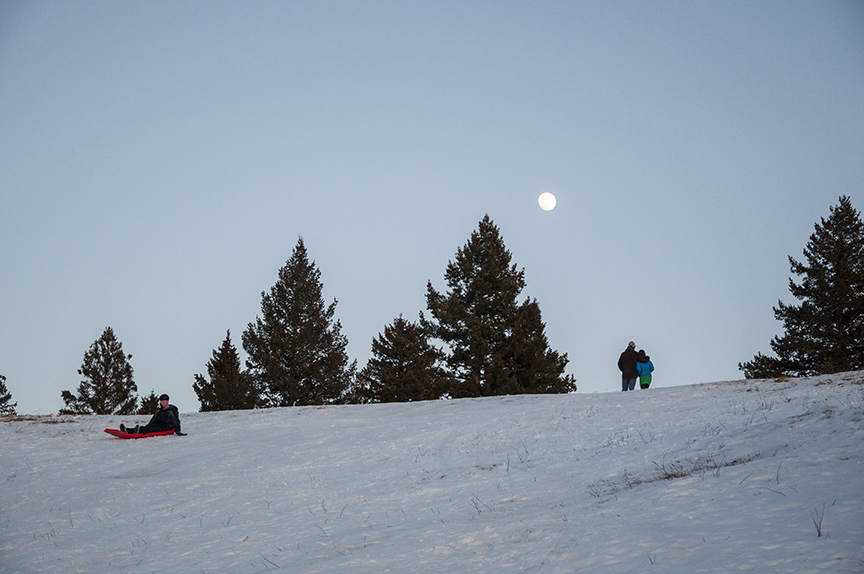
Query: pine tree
6	408
825	333
149	403
108	387
229	388
497	345
296	350
404	366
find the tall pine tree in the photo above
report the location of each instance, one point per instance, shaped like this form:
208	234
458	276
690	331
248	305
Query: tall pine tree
825	332
108	387
404	367
497	345
296	350
6	407
229	388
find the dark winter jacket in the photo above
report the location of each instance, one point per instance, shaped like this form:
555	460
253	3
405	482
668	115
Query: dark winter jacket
627	364
165	419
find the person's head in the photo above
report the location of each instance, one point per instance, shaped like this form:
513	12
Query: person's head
163	401
631	345
642	354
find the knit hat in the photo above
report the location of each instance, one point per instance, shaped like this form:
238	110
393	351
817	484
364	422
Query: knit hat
163	397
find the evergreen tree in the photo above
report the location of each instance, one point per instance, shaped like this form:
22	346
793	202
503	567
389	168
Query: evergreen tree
108	387
498	346
825	333
296	350
149	404
404	366
229	388
6	408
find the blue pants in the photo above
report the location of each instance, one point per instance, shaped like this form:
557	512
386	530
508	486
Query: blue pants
628	384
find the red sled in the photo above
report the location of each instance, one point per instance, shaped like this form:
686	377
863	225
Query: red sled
120	434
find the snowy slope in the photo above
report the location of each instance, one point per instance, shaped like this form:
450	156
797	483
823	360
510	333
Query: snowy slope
728	476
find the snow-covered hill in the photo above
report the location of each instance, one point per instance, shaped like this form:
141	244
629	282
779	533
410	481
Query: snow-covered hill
731	476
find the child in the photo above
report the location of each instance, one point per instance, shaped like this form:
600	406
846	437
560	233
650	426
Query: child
644	367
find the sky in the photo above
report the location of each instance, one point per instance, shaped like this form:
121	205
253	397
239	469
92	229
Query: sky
714	477
160	160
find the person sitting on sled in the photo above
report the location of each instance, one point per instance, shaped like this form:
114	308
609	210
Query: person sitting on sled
167	417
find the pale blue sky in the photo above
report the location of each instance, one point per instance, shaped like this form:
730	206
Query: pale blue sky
159	160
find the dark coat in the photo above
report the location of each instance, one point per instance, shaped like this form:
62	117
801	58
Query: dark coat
164	419
627	364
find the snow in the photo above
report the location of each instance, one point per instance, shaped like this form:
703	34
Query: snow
728	476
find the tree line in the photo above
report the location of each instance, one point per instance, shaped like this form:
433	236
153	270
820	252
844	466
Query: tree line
478	339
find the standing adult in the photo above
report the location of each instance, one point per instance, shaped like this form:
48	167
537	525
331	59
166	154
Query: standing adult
627	365
645	367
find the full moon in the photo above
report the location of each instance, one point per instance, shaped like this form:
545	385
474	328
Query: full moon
547	201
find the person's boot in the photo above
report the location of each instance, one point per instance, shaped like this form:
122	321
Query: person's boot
122	428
